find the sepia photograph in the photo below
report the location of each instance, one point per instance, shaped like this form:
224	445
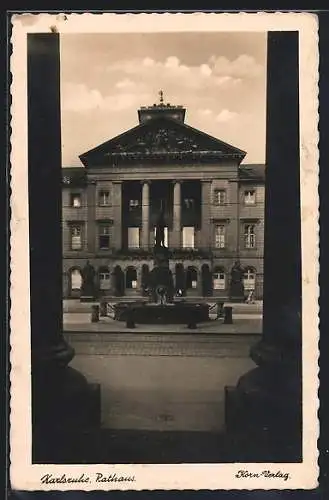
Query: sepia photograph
164	235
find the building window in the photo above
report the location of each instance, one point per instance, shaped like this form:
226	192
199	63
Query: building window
104	236
249	279
188	203
220	236
188	237
249	236
104	279
76	279
133	237
133	204
76	237
165	230
76	200
250	197
219	279
104	198
131	278
219	197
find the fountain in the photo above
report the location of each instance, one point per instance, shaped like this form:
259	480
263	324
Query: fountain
162	307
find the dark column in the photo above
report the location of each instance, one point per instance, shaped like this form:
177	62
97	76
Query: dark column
61	396
265	406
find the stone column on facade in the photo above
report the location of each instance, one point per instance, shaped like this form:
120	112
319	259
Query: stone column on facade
265	407
91	216
62	400
145	214
177	224
233	228
206	241
117	214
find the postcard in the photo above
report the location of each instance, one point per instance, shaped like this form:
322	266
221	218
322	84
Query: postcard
164	251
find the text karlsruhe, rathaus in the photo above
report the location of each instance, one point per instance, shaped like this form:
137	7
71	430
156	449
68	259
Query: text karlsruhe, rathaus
213	205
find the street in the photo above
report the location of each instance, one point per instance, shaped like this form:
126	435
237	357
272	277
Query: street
162	382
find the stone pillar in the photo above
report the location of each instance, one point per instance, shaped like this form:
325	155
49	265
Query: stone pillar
177	228
117	214
206	232
263	412
63	403
91	216
145	214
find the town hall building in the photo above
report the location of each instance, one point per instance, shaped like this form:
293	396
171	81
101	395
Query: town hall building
213	206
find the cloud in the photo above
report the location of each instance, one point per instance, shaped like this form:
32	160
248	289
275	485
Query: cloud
244	66
205	112
80	98
126	83
226	115
147	61
205	70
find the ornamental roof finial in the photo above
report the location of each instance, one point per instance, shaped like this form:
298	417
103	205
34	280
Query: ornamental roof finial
161	96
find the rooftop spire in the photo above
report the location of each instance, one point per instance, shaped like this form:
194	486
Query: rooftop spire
161	97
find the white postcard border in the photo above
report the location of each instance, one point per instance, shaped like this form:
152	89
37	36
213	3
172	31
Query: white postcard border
24	475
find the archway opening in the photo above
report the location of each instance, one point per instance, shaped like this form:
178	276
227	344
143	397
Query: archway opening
206	281
191	278
104	278
145	279
180	279
131	278
75	282
118	281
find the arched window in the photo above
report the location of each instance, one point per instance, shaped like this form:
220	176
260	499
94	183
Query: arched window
249	278
131	278
76	279
104	278
191	278
219	278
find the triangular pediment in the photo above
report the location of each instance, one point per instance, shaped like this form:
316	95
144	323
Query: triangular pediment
159	138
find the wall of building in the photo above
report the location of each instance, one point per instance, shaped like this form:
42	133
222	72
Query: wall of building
234	214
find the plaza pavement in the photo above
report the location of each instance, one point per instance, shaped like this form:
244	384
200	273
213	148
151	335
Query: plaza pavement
162	382
157	378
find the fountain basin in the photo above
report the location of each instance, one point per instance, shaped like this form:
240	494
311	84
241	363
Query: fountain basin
174	313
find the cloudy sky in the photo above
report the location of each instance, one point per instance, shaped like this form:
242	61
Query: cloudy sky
219	77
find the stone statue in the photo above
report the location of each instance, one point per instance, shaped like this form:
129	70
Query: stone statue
88	280
159	230
236	287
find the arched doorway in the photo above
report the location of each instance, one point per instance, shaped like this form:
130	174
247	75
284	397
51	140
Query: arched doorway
131	278
118	281
191	278
219	279
206	281
180	279
75	282
145	279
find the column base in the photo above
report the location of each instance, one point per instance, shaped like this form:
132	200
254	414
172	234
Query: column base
63	403
263	412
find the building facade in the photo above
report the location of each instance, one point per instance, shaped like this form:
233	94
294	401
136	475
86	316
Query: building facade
213	205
